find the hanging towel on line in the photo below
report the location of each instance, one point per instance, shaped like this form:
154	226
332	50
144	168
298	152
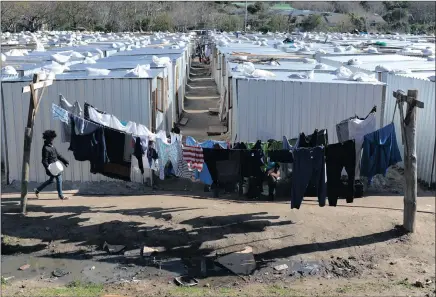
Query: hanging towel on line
193	155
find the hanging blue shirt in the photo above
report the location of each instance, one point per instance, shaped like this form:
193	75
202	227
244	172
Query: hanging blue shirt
206	144
380	150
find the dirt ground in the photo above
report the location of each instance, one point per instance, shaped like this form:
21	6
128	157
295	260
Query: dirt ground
363	235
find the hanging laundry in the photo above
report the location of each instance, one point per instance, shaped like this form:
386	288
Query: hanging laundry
339	156
89	147
342	130
168	152
206	144
281	156
83	127
60	114
380	151
342	127
74	109
115	145
313	140
129	147
193	155
204	176
229	171
309	165
139	153
108	120
357	130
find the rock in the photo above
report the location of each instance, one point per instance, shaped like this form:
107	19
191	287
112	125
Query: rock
351	258
392	263
428	281
207	285
23	286
235	284
281	267
419	284
24	267
390	274
266	273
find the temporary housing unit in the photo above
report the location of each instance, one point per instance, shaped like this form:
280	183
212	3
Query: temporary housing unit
129	99
180	69
368	63
275	107
426	118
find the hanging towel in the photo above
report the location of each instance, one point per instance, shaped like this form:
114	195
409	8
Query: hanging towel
193	155
74	109
380	150
59	114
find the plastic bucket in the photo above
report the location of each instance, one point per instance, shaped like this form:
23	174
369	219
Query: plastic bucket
56	168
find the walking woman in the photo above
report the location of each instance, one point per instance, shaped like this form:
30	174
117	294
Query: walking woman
50	155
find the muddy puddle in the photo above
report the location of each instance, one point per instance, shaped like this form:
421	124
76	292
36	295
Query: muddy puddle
104	268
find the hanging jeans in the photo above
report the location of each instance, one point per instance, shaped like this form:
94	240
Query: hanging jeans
338	156
309	166
50	181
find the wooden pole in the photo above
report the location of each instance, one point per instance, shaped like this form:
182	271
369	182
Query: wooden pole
408	130
410	163
28	133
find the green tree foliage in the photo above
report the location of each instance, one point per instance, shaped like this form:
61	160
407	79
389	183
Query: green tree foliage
311	22
400	16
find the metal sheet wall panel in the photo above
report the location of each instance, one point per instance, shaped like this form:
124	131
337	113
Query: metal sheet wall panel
273	109
426	119
128	99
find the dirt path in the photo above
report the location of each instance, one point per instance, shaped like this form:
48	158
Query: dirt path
201	95
70	234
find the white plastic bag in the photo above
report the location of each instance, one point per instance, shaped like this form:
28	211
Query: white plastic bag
9	70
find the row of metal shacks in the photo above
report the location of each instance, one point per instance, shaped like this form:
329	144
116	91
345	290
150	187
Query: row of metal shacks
270	108
155	101
420	70
264	108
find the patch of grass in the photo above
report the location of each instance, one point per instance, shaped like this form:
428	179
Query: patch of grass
405	283
4	281
75	288
277	290
344	289
188	291
227	292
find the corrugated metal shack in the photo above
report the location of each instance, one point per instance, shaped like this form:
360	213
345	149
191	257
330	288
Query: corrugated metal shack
126	98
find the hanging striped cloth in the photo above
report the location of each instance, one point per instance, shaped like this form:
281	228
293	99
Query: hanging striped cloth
193	155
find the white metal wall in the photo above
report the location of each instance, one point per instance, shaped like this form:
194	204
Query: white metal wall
426	119
267	109
128	99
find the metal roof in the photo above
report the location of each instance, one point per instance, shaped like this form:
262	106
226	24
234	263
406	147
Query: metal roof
318	78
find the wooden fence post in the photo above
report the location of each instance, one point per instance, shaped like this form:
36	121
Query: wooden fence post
34	102
408	130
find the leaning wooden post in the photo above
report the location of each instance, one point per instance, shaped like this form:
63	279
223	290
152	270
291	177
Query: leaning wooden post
28	133
408	125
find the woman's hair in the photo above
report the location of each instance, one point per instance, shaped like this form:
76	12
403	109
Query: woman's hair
49	134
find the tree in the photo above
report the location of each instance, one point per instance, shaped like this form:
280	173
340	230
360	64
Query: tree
311	22
278	23
163	22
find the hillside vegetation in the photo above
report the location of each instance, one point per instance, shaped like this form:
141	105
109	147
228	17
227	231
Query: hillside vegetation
398	16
